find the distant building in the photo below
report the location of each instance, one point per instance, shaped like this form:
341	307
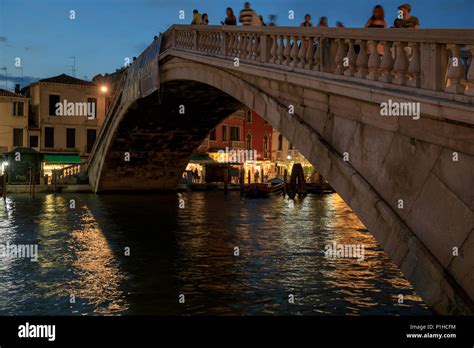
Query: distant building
74	131
13	121
65	117
242	131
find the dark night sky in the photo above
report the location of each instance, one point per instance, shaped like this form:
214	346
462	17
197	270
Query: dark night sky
105	32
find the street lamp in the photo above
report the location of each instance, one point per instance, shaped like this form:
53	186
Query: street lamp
104	89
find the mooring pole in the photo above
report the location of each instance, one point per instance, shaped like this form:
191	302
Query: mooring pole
242	182
226	179
33	184
285	178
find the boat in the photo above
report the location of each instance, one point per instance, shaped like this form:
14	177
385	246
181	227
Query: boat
263	190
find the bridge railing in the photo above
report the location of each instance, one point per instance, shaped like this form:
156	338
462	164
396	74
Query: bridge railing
429	59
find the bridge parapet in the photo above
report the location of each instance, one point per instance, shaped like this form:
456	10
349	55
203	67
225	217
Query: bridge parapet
423	61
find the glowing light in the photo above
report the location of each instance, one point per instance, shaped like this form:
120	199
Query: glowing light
104	89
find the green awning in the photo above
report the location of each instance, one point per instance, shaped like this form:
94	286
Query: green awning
62	158
201	157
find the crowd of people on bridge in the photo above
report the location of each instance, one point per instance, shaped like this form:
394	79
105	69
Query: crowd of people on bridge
249	17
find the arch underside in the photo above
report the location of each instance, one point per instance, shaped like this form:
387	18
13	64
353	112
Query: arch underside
383	165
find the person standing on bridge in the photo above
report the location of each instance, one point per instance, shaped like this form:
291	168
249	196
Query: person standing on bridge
323	22
378	18
197	18
405	20
248	17
307	21
205	19
230	19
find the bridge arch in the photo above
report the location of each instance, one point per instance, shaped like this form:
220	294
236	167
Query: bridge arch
323	127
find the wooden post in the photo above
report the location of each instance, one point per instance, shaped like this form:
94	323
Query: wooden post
285	178
33	183
29	183
248	177
54	180
242	182
226	179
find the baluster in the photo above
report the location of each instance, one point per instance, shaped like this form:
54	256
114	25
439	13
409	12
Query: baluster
470	73
256	48
294	52
414	68
362	60
273	50
351	59
280	51
203	42
387	63
374	62
235	48
317	55
243	46
212	42
217	42
230	45
309	54
287	51
455	71
208	41
249	46
339	59
302	52
401	64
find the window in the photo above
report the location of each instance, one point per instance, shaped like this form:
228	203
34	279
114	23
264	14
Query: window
290	146
265	146
17	137
18	109
212	135
34	141
248	141
249	116
70	138
48	137
224	133
53	100
91	135
280	142
94	102
234	133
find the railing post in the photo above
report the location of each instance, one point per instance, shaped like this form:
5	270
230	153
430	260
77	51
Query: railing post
173	38
265	47
195	40
470	73
223	36
433	63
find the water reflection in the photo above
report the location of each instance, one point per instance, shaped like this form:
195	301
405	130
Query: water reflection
191	251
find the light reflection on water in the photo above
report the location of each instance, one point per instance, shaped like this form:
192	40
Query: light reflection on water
191	251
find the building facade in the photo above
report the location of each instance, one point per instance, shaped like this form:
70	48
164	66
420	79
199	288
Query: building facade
66	114
13	121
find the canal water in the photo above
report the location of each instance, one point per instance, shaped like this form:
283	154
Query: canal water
227	256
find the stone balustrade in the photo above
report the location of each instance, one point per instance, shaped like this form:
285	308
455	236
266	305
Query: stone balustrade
430	59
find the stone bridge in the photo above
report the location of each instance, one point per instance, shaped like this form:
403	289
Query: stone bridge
410	180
